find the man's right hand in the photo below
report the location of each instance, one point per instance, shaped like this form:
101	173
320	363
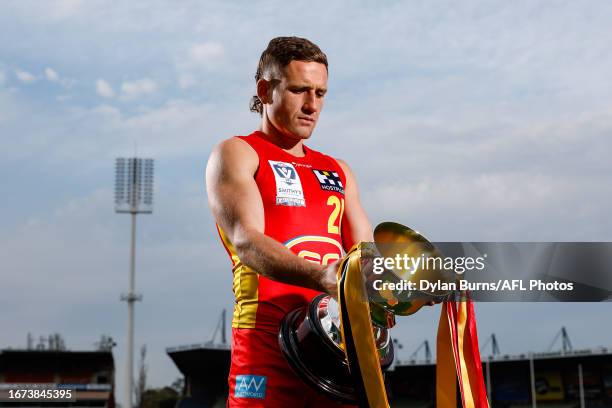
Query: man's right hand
329	279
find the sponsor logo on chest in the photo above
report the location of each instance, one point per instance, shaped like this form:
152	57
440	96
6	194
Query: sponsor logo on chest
288	185
329	180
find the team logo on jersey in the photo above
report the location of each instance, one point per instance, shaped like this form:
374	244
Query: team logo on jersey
250	386
316	248
288	185
329	180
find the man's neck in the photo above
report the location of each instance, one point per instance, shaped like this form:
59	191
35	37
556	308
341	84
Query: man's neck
294	147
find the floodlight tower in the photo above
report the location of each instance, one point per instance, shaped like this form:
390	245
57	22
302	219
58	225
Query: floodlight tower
133	195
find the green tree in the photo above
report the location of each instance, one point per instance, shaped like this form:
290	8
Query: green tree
166	397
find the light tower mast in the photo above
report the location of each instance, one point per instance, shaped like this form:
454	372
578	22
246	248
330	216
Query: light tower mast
133	195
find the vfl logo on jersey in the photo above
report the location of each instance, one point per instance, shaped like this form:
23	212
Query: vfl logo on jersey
288	185
250	386
285	171
329	180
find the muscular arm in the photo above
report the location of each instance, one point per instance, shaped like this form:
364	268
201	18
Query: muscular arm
237	207
355	224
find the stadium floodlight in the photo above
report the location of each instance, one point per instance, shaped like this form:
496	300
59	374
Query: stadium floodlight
134	186
133	195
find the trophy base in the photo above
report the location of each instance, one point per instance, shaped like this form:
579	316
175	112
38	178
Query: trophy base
314	353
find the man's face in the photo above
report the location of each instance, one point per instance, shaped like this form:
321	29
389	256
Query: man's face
297	99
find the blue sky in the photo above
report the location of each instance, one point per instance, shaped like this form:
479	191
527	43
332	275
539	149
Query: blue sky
485	121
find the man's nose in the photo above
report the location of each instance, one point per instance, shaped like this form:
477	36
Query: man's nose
311	104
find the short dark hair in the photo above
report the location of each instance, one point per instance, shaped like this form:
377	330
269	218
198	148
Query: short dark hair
280	52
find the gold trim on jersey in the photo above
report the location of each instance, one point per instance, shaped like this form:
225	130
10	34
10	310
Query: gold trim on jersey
245	287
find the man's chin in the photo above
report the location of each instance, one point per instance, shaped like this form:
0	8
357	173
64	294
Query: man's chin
300	134
306	131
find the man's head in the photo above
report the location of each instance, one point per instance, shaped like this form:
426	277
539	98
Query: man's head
291	84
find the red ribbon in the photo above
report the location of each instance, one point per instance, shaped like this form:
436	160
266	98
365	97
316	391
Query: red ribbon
457	334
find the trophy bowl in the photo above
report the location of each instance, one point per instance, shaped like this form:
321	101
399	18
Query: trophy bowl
310	340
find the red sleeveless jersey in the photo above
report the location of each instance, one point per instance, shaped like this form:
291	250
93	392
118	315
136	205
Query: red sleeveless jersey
303	200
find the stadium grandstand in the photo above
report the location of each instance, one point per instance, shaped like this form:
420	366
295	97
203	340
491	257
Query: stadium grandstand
566	378
89	374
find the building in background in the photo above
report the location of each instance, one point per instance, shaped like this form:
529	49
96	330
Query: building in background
411	384
205	368
556	380
90	374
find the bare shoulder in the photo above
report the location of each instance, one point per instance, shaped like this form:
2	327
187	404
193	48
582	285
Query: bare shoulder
234	149
345	168
230	157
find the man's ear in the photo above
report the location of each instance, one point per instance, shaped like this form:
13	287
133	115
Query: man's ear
264	90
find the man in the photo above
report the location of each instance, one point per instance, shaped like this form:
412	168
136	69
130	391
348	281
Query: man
286	214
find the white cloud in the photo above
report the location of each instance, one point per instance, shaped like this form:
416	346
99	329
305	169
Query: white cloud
106	131
511	206
2	77
205	54
198	59
187	80
65	8
138	88
51	75
104	89
55	10
24	76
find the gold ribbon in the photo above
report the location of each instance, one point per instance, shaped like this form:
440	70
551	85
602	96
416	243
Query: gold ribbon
357	333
